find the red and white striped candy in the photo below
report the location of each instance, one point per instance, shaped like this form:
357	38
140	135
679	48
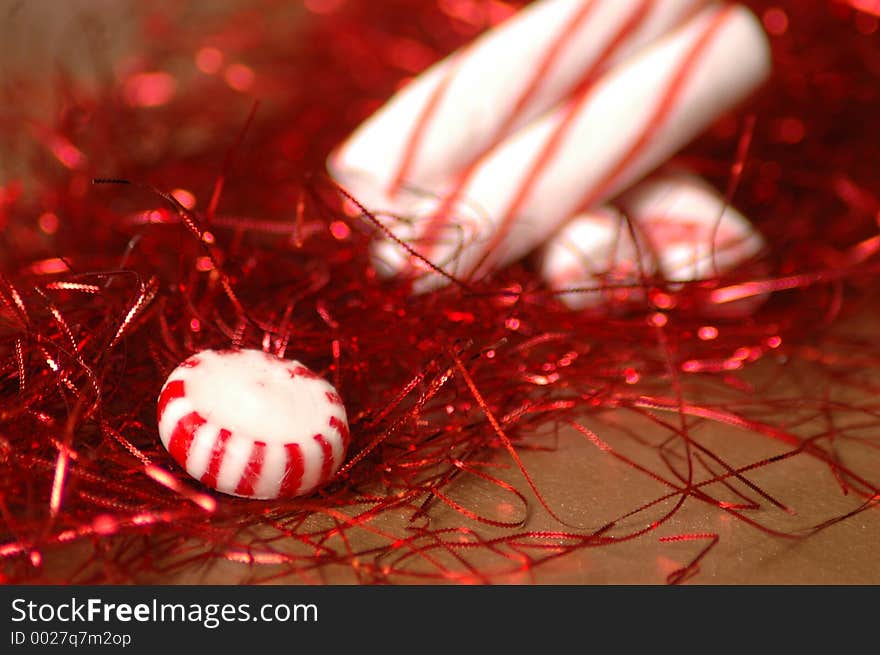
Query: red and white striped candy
249	424
595	254
684	229
443	121
607	136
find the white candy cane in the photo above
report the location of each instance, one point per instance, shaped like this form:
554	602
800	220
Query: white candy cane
437	127
684	229
602	140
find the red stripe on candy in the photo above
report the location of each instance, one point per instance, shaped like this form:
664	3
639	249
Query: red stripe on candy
334	398
217	455
252	470
182	437
174	390
542	71
435	223
421	125
664	107
327	451
550	149
293	472
342	429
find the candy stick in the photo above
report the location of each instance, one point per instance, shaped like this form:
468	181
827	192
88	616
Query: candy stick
605	138
684	229
443	121
250	424
596	258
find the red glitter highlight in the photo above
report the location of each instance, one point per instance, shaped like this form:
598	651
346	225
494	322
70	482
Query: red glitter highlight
239	77
775	21
149	89
209	60
867	6
340	230
65	152
48	223
184	197
58	482
203	501
708	332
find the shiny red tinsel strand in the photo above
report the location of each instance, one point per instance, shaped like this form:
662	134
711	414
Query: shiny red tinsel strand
229	234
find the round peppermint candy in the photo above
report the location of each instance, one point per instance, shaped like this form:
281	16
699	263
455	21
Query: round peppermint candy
250	424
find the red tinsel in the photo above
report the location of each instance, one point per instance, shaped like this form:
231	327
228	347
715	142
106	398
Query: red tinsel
493	429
